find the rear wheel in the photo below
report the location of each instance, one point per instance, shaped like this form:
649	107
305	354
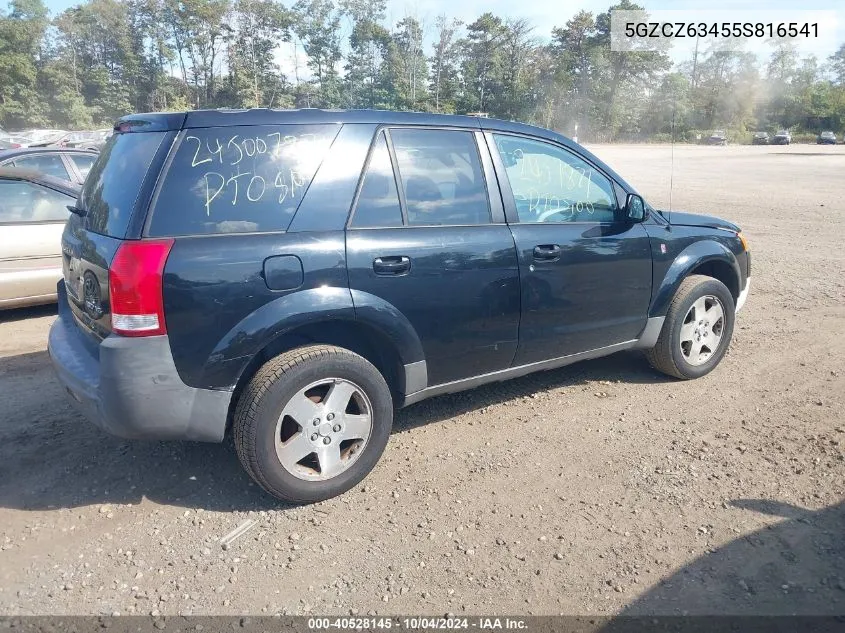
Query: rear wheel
697	330
312	423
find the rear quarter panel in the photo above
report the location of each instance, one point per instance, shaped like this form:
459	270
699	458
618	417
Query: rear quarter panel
220	311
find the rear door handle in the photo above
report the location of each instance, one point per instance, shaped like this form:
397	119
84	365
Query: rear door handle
392	265
547	252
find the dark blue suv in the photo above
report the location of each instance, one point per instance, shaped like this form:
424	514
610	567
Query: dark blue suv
295	276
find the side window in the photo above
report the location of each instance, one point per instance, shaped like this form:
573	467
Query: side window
378	202
441	176
22	202
238	179
50	164
83	163
550	184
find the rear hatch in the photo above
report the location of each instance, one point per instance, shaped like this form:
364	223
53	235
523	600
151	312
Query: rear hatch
111	210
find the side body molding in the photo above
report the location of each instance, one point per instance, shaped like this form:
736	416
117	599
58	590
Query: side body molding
692	256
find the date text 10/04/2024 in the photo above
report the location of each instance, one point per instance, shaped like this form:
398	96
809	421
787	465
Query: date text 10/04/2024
419	623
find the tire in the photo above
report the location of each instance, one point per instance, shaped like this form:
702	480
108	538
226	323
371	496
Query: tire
275	420
679	360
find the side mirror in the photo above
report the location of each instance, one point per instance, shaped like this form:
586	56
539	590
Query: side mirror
635	208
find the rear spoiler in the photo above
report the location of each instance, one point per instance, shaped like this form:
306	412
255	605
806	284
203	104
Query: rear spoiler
151	122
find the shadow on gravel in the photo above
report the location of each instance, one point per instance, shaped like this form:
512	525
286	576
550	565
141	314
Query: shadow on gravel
794	567
22	314
51	457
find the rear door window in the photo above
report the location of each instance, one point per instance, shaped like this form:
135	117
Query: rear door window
115	180
378	202
50	164
239	179
441	177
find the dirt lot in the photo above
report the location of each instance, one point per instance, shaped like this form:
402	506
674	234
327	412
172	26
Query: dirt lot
596	489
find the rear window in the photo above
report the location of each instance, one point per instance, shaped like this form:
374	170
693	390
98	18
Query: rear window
115	179
240	179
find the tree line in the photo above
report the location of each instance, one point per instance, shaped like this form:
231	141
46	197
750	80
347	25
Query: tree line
104	58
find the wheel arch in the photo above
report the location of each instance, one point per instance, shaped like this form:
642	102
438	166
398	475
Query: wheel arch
375	330
707	257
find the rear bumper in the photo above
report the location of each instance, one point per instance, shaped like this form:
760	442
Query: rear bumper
129	387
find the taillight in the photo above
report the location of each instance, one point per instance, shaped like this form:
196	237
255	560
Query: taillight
135	288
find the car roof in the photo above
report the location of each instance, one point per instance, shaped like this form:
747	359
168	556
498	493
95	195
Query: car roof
161	121
38	178
22	151
224	117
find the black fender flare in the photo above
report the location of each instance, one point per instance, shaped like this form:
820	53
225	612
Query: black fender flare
689	259
308	307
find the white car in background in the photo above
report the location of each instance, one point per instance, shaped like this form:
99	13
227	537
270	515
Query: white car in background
33	213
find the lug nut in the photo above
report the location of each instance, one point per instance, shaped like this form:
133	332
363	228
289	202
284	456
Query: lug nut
330	416
314	437
316	422
336	428
327	440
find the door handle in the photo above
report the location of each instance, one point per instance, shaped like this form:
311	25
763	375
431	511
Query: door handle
392	265
547	252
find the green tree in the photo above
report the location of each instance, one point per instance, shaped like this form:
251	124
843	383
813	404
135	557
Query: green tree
369	43
255	77
445	65
199	30
482	62
22	31
574	70
408	67
639	68
518	89
318	27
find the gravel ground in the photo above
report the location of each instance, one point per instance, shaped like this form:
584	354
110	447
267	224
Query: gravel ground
601	488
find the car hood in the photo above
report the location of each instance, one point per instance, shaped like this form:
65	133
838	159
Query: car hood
680	218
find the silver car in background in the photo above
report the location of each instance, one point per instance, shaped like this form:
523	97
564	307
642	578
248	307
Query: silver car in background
33	213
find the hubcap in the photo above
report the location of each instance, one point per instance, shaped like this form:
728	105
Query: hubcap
702	329
323	429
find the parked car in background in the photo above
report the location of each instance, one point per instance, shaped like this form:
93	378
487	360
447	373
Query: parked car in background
826	138
363	261
33	212
93	139
14	141
43	138
760	138
783	137
72	165
717	137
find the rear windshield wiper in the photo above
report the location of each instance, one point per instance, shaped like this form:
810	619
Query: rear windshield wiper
74	209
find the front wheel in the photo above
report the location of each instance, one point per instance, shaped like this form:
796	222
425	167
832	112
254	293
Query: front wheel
697	331
312	423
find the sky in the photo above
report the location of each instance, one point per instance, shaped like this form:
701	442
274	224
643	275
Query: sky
546	14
